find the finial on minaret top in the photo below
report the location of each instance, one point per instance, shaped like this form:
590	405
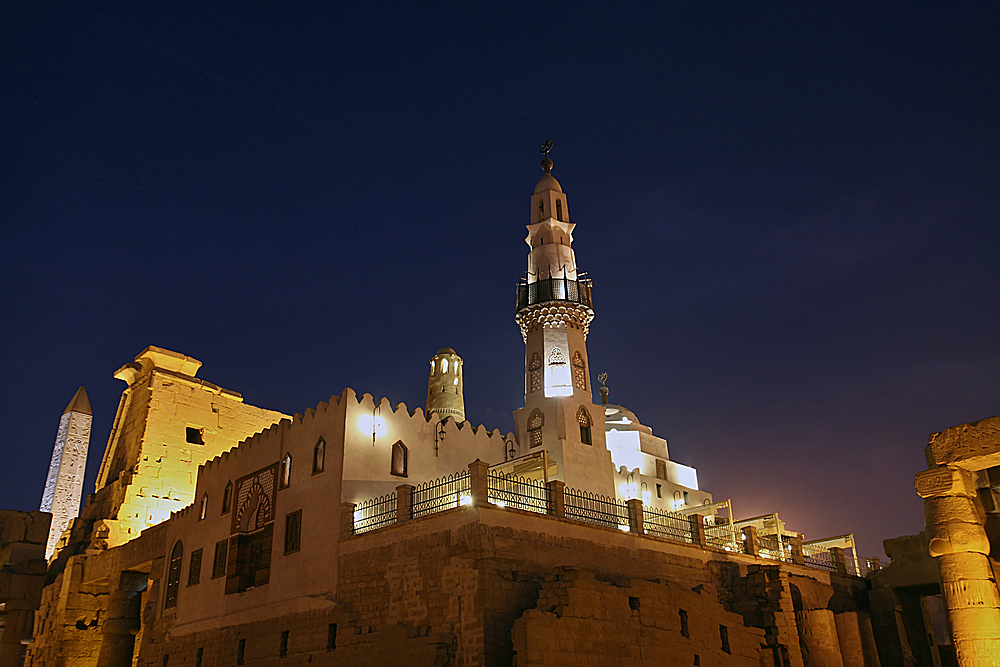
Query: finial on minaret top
546	162
602	378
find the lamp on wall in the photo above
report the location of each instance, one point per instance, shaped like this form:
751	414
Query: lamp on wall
438	436
508	449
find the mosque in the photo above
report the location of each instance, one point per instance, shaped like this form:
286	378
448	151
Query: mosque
365	533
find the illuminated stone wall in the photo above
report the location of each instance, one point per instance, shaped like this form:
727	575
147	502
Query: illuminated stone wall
168	423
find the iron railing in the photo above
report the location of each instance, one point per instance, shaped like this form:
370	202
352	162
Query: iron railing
441	494
667	525
517	492
721	536
554	289
375	513
596	509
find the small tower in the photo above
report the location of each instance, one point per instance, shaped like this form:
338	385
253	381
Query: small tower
64	484
445	391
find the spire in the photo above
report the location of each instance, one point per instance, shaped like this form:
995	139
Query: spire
80	403
546	162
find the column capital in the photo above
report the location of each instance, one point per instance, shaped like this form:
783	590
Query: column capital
945	481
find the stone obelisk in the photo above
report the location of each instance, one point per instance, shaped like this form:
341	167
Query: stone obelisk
64	484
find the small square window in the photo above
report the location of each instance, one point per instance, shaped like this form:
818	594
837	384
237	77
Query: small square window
659	491
283	648
241	651
331	637
724	636
633	603
194	436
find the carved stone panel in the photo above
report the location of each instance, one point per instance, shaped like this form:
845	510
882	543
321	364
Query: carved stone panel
255	500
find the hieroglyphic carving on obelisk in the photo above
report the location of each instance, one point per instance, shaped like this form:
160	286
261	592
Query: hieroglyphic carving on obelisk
64	485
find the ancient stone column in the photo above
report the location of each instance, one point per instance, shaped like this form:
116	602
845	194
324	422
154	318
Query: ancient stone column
751	544
958	542
15	636
123	621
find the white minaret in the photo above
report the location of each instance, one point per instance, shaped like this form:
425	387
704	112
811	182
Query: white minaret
64	484
554	311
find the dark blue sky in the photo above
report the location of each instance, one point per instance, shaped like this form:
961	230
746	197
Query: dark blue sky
789	210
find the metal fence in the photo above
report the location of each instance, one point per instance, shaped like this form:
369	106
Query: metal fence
441	494
517	492
375	513
596	509
721	536
667	525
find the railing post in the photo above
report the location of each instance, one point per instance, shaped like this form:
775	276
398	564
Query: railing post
347	518
635	516
798	556
874	564
839	559
751	543
698	530
556	496
479	483
404	502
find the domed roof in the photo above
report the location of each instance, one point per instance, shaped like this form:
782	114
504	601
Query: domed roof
547	182
447	350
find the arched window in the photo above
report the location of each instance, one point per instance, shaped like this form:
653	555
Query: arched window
399	456
535	373
559	210
579	371
174	575
286	471
535	423
203	507
227	498
319	456
583	418
541	210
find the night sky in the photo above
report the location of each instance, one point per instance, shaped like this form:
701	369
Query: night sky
790	212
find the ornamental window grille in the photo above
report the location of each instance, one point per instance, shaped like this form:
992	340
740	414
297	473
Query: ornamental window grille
219	562
579	372
535	373
661	469
227	498
194	567
583	418
556	357
319	456
293	531
535	423
399	459
174	575
286	471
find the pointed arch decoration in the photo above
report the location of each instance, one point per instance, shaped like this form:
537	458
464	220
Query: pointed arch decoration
227	498
586	424
536	420
286	471
400	456
319	456
535	373
579	371
174	575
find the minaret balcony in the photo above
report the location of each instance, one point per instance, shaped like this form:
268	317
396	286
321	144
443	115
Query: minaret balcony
554	289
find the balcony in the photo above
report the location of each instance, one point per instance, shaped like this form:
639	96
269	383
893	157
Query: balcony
554	289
